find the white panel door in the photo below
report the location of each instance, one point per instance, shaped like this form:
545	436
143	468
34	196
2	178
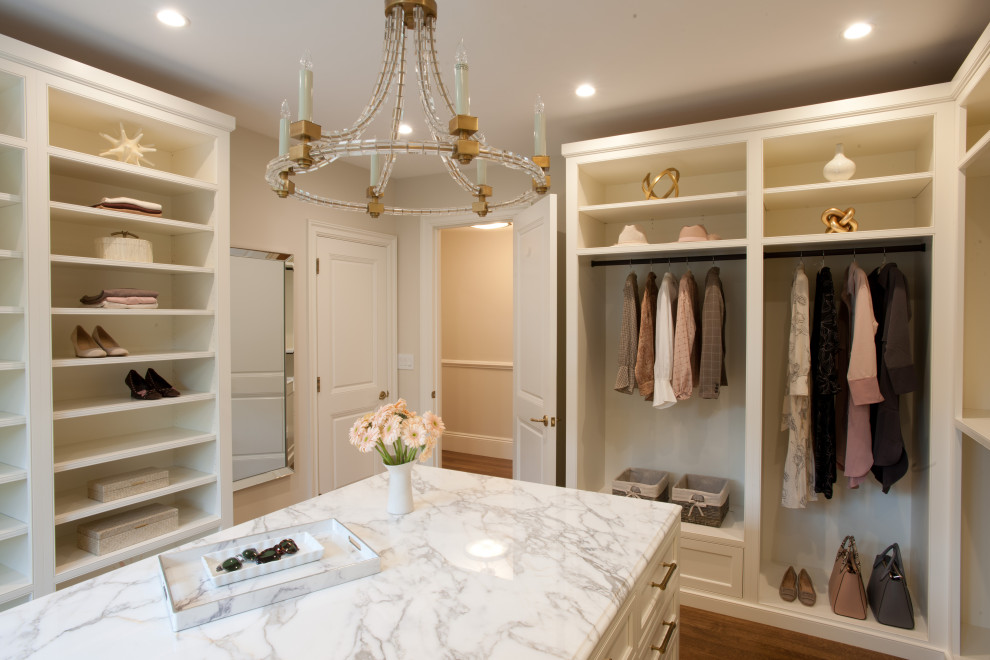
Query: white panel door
354	322
534	377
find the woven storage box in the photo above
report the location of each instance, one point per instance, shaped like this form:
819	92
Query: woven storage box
115	487
116	532
703	500
124	248
642	483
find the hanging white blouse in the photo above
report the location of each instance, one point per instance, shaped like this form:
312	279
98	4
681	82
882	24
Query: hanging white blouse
799	465
663	367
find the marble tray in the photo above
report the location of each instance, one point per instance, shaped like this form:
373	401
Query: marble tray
193	600
309	550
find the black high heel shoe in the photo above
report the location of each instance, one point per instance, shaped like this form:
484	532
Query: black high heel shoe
159	384
140	389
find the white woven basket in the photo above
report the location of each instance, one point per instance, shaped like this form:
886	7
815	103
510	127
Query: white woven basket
124	248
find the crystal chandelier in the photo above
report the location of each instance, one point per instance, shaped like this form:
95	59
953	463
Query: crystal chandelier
457	141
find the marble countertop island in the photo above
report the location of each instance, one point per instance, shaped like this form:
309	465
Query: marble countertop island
565	560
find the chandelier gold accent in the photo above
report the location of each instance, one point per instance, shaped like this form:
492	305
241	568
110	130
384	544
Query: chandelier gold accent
456	141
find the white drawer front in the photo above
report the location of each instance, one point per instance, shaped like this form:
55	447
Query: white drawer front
711	567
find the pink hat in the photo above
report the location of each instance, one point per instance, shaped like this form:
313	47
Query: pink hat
692	233
632	235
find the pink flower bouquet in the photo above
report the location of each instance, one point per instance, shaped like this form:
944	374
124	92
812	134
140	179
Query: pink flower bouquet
397	433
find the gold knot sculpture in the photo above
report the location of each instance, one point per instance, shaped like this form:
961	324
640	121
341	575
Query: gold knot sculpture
648	185
838	221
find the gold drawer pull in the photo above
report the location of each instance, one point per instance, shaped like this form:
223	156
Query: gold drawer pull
671	567
671	627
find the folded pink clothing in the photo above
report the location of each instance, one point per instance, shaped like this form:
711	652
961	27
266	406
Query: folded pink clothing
131	300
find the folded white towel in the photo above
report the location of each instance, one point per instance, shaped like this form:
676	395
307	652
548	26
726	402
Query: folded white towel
151	206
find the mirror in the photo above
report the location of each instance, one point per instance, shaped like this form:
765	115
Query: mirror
261	366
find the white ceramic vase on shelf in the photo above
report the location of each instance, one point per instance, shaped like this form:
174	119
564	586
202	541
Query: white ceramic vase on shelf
400	497
839	168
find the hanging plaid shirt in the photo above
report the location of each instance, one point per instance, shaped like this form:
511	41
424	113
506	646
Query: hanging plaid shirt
712	337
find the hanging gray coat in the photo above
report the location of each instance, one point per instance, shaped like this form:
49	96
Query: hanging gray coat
895	371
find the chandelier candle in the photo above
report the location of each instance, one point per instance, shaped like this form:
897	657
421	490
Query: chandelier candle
462	96
376	170
283	129
306	87
539	128
482	171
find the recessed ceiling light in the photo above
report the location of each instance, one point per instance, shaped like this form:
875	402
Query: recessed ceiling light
491	225
172	18
857	31
585	90
405	129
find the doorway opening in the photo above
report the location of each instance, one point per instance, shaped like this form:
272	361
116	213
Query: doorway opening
475	348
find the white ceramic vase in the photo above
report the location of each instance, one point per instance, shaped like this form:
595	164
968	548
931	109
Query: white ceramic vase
400	497
839	168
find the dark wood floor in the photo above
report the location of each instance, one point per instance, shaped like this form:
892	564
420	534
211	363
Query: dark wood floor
495	467
704	635
708	636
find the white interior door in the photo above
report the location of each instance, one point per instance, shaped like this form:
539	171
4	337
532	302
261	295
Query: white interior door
355	288
534	378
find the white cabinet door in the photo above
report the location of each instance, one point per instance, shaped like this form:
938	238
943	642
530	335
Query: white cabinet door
355	325
534	379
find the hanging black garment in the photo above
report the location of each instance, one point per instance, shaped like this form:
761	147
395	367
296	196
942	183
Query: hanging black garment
895	372
824	352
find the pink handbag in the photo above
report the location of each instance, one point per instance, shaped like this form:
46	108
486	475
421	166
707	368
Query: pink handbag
846	593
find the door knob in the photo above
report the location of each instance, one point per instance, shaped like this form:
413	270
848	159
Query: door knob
382	395
544	419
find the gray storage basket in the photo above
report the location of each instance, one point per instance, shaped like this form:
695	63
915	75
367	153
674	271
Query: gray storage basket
643	483
703	500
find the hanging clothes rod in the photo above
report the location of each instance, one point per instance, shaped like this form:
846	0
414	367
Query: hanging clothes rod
671	258
837	252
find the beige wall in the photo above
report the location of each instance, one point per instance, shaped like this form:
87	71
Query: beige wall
260	220
476	340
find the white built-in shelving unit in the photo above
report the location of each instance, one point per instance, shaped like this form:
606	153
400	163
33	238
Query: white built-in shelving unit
757	182
16	579
66	420
972	404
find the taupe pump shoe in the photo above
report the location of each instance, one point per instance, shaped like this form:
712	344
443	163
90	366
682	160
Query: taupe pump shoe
108	343
84	345
806	590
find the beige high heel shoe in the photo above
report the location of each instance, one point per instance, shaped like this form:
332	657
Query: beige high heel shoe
108	343
84	345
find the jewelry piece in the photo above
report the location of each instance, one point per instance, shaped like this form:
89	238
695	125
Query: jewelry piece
838	221
269	555
229	565
288	546
250	554
674	178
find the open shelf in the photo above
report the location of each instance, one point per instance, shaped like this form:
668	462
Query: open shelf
77	165
680	251
11	366
11	310
90	262
118	447
102	405
11	527
10	419
103	311
12	584
976	424
660	209
974	642
732	531
75	504
11	254
7	199
769	596
117	220
130	359
10	474
976	162
72	562
847	193
871	238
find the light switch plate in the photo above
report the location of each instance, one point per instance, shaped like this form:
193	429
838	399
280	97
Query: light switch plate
406	361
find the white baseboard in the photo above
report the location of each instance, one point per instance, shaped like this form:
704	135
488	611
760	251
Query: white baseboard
480	445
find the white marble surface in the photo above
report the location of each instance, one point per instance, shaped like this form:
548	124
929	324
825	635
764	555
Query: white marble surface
570	559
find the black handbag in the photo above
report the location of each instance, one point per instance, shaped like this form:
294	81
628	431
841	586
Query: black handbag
888	592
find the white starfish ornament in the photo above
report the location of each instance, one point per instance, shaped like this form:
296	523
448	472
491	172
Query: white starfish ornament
129	150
